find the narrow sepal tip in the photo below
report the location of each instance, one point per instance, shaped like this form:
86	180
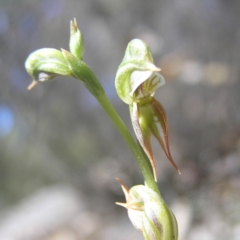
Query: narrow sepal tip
32	85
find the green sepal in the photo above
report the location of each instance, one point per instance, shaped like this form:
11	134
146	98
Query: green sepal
149	119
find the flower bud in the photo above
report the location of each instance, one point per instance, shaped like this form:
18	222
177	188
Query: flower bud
76	43
149	214
45	64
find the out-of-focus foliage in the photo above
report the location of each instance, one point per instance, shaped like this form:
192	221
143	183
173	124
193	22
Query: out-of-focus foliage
57	133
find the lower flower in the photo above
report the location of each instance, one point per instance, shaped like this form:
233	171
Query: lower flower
149	213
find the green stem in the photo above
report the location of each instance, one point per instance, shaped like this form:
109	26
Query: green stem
81	71
135	148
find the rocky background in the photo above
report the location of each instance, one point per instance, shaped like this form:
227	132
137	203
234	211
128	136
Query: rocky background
59	152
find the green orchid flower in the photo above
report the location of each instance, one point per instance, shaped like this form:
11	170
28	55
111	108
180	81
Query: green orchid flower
136	81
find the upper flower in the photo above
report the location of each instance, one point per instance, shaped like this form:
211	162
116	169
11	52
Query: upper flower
48	63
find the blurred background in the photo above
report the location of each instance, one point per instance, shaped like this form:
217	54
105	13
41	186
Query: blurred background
59	152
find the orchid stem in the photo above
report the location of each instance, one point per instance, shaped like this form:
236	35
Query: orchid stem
134	147
94	86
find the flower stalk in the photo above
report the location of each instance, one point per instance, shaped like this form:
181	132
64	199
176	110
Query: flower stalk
134	147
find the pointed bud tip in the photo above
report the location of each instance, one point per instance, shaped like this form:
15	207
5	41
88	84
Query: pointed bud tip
179	172
32	85
153	68
121	204
121	183
74	24
156	69
124	188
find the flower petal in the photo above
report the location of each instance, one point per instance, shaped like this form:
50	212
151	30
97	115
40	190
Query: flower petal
147	82
163	141
143	135
137	78
154	82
